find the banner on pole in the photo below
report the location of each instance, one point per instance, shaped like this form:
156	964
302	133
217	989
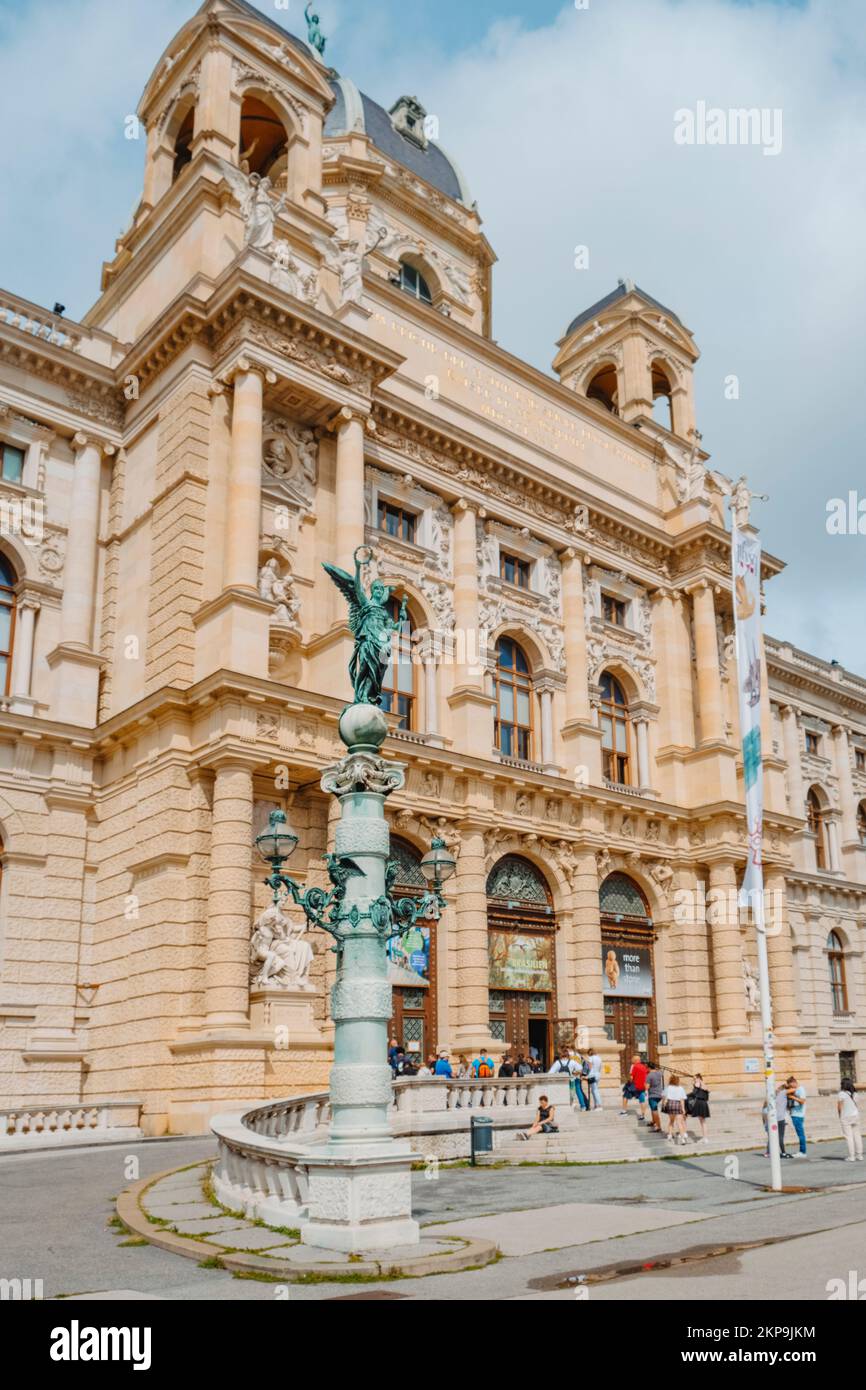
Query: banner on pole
746	554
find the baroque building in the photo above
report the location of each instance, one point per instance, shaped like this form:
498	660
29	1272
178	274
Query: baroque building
291	358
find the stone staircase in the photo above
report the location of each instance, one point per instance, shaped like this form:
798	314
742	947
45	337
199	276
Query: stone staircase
604	1136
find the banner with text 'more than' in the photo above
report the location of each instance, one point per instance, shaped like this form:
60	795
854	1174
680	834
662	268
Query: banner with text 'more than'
746	549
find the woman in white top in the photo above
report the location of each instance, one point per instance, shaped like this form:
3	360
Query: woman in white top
849	1117
674	1106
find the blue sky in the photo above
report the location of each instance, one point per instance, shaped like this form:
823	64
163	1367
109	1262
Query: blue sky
562	121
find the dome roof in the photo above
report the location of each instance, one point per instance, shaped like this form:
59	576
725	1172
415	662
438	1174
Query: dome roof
354	111
623	289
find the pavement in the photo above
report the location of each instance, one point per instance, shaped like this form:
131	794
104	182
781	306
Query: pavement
592	1231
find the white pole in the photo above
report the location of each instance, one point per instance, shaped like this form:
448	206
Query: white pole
767	1031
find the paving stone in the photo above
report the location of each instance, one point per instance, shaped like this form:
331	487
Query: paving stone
179	1211
217	1224
253	1238
576	1223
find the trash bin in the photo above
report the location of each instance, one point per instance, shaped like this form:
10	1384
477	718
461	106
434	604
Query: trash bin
480	1135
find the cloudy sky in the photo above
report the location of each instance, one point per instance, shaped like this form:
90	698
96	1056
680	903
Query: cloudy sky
562	118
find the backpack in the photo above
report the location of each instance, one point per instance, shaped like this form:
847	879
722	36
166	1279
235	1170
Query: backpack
484	1068
586	1068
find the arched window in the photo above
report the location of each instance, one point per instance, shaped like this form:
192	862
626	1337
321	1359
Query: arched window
513	683
604	389
7	622
815	824
183	144
861	822
619	897
413	282
518	883
615	735
264	142
398	687
836	961
663	406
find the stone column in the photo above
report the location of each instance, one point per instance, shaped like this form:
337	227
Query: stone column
79	575
780	954
349	498
244	504
676	714
643	773
724	930
473	970
34	465
796	794
587	931
707	662
229	923
842	759
466	617
832	830
431	691
26	609
546	697
574	620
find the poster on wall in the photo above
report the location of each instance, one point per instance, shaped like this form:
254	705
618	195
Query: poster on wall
409	955
520	961
626	971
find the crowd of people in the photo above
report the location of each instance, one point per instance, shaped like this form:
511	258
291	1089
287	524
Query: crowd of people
655	1097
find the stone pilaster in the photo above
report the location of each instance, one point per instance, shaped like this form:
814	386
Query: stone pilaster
725	939
230	898
349	490
473	968
780	955
707	662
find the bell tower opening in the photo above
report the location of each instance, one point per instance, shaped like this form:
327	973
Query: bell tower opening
183	143
264	143
663	406
604	389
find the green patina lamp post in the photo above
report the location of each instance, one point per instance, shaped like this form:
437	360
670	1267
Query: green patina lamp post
359	1183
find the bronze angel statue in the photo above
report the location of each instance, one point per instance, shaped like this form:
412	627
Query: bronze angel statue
372	628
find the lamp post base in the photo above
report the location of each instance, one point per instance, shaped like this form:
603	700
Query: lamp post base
360	1202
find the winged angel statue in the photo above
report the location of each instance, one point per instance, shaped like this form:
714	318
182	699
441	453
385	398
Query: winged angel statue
372	627
258	207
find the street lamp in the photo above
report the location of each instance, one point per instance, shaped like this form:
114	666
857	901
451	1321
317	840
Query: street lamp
277	844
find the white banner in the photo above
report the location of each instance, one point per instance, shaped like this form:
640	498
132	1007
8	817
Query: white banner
746	548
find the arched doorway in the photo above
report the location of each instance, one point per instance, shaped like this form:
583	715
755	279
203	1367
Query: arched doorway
521	942
412	963
627	968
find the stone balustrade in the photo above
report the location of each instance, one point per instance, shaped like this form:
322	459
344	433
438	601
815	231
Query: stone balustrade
18	313
261	1168
40	1125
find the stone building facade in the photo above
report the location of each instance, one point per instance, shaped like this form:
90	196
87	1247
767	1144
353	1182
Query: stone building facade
274	376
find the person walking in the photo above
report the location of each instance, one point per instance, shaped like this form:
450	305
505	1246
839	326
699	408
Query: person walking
594	1079
782	1118
698	1105
635	1087
655	1084
796	1095
674	1106
849	1118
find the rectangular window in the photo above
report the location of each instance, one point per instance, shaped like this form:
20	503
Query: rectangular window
613	610
860	759
12	463
397	521
514	570
813	744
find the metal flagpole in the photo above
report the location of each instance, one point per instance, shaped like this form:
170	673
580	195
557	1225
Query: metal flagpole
767	1032
746	567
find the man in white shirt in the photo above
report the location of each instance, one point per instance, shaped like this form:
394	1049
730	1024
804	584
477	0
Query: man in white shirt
594	1078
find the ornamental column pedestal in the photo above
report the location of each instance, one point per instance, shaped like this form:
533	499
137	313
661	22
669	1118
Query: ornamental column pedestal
74	663
232	630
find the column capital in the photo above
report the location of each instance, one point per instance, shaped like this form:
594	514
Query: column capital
243	367
346	416
463	504
81	441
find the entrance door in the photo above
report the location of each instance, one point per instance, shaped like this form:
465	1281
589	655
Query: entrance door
410	1023
632	1023
522	1021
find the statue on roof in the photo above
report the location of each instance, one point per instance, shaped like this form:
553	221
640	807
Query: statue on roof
315	37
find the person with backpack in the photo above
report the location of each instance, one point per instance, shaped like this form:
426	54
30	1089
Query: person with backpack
849	1118
482	1067
797	1112
580	1076
635	1087
564	1066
